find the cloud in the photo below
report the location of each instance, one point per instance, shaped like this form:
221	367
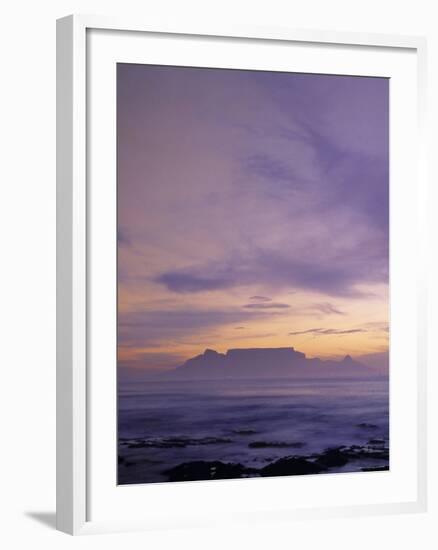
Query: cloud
312	155
377	326
180	281
269	168
260	298
254	336
324	137
264	305
327	309
327	331
280	269
123	238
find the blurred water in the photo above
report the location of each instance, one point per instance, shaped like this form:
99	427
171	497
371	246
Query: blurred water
314	413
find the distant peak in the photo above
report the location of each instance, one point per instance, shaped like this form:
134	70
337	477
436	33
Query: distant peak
347	359
209	351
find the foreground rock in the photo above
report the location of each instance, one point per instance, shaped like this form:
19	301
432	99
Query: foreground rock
202	470
291	466
332	459
379	451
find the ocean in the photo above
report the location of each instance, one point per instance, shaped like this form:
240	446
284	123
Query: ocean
252	423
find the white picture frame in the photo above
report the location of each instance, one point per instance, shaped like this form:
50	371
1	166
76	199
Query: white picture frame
75	398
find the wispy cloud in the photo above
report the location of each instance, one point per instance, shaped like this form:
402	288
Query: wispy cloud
264	305
377	326
269	168
180	281
327	331
327	308
123	238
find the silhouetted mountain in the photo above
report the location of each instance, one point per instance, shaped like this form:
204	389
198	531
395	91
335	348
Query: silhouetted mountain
266	363
378	362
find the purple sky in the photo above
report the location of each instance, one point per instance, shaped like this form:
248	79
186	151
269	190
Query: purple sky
253	211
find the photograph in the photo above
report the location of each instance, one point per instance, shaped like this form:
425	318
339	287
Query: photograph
253	329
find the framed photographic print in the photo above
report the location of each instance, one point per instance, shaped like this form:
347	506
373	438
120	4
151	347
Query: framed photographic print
240	275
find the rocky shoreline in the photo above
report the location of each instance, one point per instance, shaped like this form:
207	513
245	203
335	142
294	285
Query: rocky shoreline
286	466
371	457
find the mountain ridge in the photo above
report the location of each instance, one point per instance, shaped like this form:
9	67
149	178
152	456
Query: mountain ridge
266	363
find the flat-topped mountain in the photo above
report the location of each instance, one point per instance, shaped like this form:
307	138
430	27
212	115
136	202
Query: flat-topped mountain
266	363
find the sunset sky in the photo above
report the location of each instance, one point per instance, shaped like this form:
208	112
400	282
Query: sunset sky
252	212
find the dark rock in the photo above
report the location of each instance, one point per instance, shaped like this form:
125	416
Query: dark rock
290	466
244	432
371	452
279	444
358	452
202	470
340	456
332	458
286	466
176	442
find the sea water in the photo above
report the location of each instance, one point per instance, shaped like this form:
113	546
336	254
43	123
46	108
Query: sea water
292	417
